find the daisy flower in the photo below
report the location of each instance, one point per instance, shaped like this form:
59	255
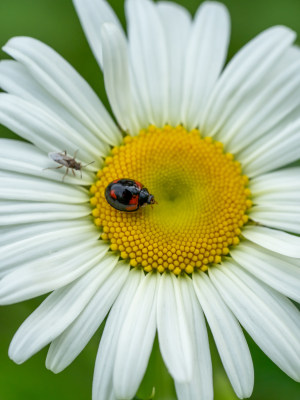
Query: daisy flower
209	141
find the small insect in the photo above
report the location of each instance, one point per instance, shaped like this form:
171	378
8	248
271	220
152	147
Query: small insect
127	195
68	162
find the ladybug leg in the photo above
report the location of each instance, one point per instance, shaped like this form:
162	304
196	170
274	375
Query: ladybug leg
152	203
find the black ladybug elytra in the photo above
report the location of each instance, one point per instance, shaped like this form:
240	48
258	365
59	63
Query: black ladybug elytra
127	195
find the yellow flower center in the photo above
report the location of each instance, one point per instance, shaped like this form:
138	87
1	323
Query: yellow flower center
201	197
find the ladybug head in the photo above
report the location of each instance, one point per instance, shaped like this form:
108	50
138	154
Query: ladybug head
151	199
145	197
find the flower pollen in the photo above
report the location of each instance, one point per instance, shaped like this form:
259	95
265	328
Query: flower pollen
202	199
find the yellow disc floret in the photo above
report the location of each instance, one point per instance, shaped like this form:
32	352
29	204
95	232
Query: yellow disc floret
201	193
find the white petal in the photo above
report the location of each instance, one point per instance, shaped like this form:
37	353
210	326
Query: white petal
276	271
228	335
136	339
277	188
274	131
61	80
51	272
263	313
57	312
117	76
93	14
266	108
16	212
103	375
24	158
148	54
286	217
176	21
201	385
45	129
64	349
26	188
245	73
279	209
205	57
13	234
175	338
34	241
291	56
271	239
16	79
279	150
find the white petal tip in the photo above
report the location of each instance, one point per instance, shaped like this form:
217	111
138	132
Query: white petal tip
214	8
15	357
53	368
283	30
16	40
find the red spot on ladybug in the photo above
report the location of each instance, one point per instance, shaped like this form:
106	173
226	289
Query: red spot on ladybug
127	195
131	208
134	199
139	185
113	194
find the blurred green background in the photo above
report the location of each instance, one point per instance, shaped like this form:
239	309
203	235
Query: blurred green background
55	22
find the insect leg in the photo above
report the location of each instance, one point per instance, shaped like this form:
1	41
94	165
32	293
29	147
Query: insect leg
66	173
83	166
53	167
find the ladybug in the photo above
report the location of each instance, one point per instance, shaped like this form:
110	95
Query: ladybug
127	195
